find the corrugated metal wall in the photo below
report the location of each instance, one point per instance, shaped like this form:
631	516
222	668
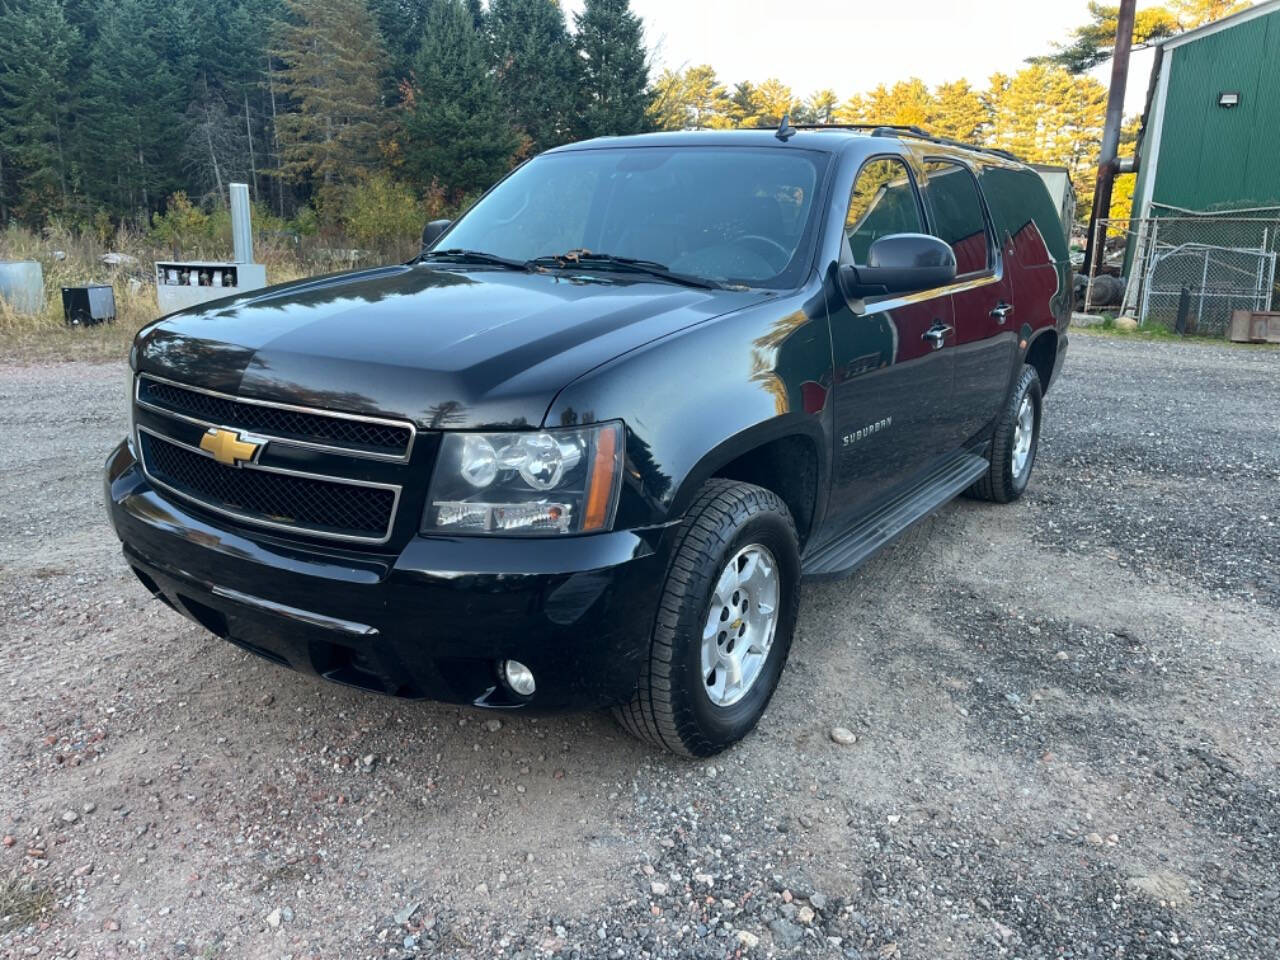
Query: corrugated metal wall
1211	157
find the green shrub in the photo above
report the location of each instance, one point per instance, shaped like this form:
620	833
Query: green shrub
183	227
381	214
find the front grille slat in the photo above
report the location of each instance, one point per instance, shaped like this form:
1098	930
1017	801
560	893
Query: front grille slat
356	435
323	506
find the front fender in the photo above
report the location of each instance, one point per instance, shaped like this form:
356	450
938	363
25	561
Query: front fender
699	399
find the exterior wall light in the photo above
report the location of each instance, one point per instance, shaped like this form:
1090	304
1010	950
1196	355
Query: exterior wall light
1228	99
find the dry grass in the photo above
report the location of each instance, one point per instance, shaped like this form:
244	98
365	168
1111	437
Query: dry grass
23	901
70	259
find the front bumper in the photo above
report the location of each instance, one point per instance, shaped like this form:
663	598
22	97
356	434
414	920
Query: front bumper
432	621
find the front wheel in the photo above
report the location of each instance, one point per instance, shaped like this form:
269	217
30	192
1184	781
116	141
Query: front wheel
1014	444
724	623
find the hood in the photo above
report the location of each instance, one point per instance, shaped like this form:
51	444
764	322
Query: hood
443	347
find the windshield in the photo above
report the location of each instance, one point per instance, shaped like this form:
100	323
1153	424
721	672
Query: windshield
725	214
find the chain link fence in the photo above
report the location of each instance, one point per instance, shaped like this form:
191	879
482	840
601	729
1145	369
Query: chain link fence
1185	271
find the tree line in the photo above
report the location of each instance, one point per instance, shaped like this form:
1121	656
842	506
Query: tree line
353	112
1042	113
109	109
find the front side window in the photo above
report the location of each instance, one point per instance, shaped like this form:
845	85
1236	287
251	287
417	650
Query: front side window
727	214
883	202
957	214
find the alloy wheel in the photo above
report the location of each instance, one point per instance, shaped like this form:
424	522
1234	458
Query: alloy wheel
740	624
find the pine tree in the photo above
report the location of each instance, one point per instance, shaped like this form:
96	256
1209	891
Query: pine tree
333	60
772	101
1045	114
537	71
879	105
820	107
35	95
1194	13
958	112
455	131
401	24
692	99
1092	43
216	150
669	101
615	69
853	110
133	104
907	102
742	103
707	98
227	132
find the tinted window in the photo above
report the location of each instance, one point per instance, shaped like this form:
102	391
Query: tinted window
957	214
1024	211
883	202
734	214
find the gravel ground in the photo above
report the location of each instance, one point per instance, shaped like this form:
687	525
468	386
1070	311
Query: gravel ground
1065	738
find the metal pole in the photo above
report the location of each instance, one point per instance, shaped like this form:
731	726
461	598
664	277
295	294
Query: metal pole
1133	283
1204	282
1111	130
1271	283
1148	272
241	227
1088	290
1262	259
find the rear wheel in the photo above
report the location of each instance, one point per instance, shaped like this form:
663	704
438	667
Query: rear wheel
724	623
1015	442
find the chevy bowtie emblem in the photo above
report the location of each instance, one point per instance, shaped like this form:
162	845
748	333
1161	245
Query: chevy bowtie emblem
231	447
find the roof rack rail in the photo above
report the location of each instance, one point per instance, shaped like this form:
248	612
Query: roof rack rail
910	130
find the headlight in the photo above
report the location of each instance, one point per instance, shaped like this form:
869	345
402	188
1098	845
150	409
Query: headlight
537	482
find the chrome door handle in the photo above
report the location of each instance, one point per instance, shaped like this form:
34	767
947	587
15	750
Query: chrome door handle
1002	311
937	334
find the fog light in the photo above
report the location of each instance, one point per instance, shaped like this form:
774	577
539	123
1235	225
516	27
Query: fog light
518	677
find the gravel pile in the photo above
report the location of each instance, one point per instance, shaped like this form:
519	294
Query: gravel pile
1044	730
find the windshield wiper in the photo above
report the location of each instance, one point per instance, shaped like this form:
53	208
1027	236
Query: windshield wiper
585	259
459	255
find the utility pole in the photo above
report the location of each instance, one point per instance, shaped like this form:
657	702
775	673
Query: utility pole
1110	135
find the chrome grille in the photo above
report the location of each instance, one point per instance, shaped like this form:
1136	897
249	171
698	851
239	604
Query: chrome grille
311	475
303	503
349	433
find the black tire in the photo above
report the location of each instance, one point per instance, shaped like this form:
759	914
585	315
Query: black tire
1000	484
671	707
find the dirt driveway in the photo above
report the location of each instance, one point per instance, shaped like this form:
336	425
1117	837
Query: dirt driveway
1066	718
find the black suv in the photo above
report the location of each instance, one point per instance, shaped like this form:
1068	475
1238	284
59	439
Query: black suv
582	451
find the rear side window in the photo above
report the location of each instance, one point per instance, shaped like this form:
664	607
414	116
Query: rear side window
883	202
1022	208
957	214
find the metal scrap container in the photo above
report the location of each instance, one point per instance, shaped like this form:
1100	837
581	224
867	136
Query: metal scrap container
22	285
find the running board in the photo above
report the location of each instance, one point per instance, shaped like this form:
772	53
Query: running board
849	550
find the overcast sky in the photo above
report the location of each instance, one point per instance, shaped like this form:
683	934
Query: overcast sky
852	45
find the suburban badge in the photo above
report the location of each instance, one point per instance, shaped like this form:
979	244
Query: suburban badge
868	430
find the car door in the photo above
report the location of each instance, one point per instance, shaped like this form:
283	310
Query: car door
982	301
893	377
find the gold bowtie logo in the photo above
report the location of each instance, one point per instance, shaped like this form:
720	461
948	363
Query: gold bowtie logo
230	447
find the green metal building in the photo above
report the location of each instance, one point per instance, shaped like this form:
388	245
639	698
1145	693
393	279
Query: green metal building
1211	133
1204	240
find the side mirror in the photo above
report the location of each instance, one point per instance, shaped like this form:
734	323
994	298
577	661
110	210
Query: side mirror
900	263
433	231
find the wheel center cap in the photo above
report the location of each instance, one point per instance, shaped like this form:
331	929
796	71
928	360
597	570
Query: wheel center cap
737	624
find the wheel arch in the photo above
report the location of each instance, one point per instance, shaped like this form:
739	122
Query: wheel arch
1042	354
782	455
